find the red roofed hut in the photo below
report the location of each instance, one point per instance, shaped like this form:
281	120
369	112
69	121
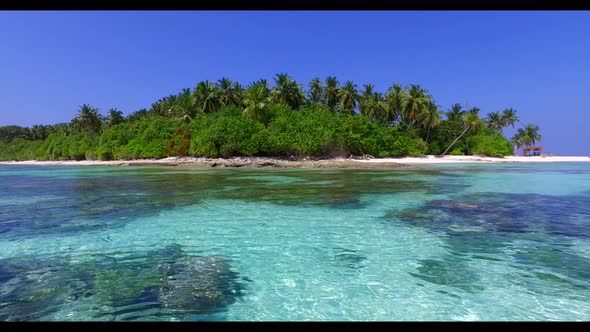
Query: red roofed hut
532	151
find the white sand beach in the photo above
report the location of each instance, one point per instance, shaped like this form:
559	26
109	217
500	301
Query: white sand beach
476	159
279	163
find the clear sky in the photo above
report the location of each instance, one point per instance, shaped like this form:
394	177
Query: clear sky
536	62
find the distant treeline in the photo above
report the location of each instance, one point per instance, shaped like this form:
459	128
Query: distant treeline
224	119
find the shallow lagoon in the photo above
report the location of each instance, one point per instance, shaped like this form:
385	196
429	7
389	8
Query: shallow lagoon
436	242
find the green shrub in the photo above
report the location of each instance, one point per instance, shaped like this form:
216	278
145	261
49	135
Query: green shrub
457	152
490	144
226	134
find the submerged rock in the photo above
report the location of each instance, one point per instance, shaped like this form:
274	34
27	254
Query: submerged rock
449	272
169	278
135	286
32	289
199	285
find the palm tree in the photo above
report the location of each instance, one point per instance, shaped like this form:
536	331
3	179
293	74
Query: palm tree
474	110
415	103
206	95
380	108
280	93
529	135
395	98
365	96
256	100
237	94
494	121
509	118
517	141
186	106
287	92
430	118
471	122
168	105
332	92
526	136
230	93
88	119
115	117
39	132
316	91
374	106
348	96
455	113
163	106
138	115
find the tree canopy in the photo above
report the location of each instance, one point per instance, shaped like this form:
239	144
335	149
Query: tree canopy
225	119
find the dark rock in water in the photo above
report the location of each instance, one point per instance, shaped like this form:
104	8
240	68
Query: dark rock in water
478	243
347	202
168	278
348	258
448	272
32	289
558	260
352	261
199	285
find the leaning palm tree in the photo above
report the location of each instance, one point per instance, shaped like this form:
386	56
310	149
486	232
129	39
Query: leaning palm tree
332	92
316	91
256	99
348	97
471	122
207	97
494	121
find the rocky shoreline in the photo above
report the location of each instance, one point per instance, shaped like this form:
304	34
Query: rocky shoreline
239	162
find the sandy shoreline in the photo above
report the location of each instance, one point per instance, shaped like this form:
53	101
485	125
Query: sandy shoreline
280	163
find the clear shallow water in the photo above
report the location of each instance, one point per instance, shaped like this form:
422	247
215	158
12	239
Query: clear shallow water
444	242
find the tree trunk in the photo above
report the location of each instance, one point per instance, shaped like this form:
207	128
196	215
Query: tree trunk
427	134
455	141
410	126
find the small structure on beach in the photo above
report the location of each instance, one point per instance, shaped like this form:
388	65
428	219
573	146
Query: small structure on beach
532	151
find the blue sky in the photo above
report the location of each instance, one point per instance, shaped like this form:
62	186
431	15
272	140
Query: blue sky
536	62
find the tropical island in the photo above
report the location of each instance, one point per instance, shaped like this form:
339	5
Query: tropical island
225	119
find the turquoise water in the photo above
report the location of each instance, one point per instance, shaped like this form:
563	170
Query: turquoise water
438	242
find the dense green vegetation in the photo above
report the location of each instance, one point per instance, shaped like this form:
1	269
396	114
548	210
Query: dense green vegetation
225	119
